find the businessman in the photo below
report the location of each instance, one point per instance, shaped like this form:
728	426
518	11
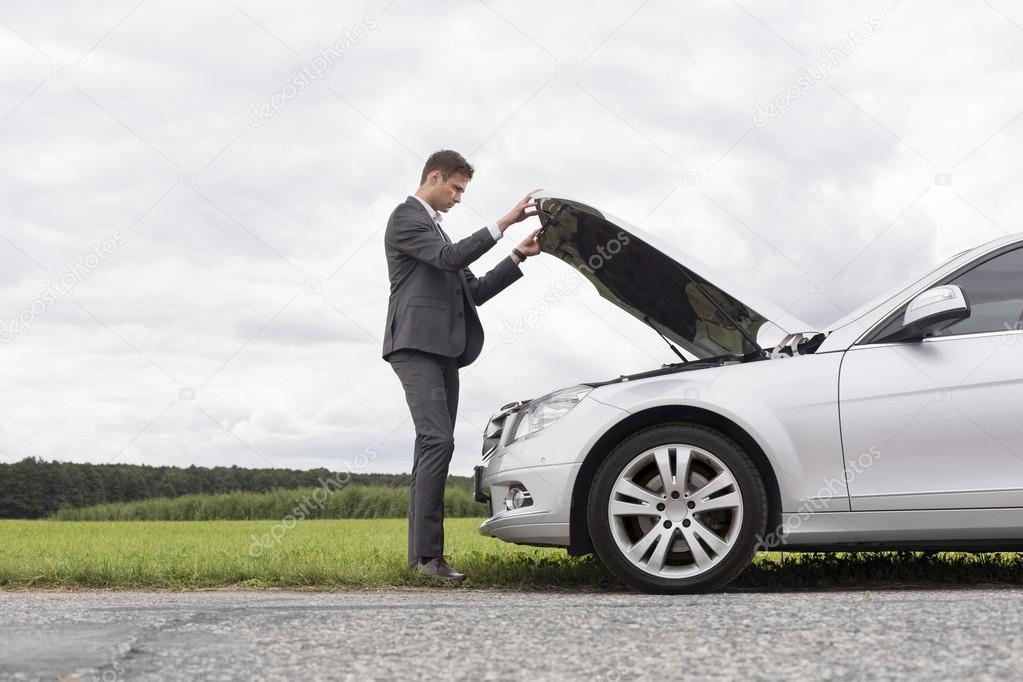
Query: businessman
432	330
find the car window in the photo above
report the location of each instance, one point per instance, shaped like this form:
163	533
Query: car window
994	290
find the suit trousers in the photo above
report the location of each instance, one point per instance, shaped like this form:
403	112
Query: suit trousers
431	391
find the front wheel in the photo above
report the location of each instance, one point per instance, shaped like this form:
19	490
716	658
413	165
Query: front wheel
676	508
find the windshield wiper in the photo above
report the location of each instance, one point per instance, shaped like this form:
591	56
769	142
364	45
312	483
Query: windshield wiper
670	344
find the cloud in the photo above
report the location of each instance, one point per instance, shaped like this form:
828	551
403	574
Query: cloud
239	322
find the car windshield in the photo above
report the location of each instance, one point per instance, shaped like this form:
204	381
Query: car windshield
895	292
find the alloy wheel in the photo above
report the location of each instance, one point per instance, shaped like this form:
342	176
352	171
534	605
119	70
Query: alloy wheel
675	511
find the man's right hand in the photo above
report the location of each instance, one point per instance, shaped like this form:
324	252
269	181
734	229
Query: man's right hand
530	246
524	209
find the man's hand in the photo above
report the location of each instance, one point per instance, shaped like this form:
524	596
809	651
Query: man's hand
530	246
524	209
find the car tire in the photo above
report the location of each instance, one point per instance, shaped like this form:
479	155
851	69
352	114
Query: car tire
646	535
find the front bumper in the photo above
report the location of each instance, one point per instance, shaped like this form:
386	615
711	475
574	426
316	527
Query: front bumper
545	464
545	521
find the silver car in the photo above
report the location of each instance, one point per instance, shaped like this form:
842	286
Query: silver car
899	427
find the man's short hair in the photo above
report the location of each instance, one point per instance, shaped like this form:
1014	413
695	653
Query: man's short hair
447	161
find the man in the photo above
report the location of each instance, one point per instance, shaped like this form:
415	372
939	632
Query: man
432	330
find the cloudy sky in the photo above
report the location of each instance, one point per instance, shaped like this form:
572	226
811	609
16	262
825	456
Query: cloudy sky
194	193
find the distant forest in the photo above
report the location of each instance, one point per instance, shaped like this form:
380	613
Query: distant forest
33	488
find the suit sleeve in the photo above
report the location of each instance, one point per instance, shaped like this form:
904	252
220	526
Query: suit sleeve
416	236
484	288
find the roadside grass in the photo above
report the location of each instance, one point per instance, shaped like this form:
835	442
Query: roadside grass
328	553
370	553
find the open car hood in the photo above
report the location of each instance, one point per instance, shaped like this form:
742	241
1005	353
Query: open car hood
686	301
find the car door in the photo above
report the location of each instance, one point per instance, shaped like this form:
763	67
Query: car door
938	423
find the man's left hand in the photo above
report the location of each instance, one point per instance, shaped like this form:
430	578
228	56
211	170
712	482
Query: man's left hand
524	209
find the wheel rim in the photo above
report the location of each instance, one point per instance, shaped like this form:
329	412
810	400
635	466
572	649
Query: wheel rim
675	511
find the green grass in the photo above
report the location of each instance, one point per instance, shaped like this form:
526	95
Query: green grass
336	553
366	553
355	501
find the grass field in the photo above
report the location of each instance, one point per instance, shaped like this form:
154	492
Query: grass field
354	501
322	553
360	553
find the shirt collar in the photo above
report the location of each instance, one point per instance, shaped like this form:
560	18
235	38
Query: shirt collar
433	214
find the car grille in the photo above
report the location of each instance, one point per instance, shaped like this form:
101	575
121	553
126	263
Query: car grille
495	427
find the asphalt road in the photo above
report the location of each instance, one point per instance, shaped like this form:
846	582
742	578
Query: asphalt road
456	634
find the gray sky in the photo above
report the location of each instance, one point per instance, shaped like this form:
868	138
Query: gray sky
194	194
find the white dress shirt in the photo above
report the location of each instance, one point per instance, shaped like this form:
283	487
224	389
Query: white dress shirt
495	231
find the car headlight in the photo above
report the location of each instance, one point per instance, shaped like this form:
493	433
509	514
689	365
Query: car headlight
542	412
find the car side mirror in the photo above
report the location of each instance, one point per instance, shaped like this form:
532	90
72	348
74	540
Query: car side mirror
932	310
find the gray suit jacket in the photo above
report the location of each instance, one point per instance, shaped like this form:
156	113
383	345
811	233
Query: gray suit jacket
434	295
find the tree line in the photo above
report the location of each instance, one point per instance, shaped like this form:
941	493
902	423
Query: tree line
34	488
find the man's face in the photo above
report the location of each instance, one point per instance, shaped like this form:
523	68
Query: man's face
447	193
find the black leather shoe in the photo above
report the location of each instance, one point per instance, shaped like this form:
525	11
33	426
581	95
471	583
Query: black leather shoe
438	568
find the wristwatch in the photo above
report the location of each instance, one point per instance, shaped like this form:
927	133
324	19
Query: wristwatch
518	253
